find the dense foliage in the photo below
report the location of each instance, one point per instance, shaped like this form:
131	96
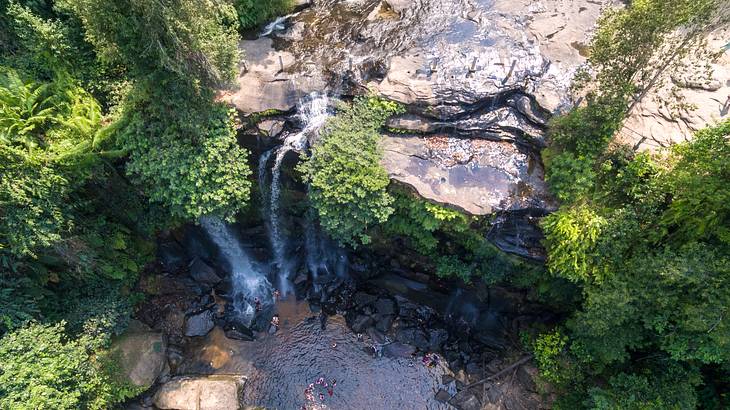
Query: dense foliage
347	184
41	368
644	237
108	132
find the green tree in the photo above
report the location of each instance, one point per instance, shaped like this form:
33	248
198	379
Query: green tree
41	368
653	266
347	184
184	153
196	40
698	184
665	386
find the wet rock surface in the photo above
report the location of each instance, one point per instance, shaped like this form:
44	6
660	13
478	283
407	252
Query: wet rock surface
520	234
199	324
203	273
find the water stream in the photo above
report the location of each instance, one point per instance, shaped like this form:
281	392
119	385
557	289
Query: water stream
249	283
313	113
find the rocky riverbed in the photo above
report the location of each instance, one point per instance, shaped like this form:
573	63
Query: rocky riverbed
377	339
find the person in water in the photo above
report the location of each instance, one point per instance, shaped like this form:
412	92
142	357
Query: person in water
257	304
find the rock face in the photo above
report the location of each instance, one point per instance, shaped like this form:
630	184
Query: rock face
200	393
203	273
266	82
142	354
480	79
519	234
688	94
476	175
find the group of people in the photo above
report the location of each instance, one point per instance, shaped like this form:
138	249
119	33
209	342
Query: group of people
322	384
430	360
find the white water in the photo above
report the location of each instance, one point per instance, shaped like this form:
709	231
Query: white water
313	113
322	255
248	282
276	25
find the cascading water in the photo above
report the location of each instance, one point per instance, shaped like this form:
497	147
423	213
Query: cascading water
248	282
276	25
323	256
313	113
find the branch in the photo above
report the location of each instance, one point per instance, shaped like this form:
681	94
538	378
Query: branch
501	372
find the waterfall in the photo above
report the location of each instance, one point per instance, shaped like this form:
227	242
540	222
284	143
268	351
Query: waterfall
263	162
248	282
313	114
322	254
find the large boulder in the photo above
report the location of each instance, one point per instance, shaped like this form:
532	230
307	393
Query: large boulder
477	176
519	233
141	353
266	82
200	393
199	324
172	255
203	273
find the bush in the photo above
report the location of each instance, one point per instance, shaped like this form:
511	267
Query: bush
571	236
550	350
40	368
570	178
418	220
184	153
347	184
